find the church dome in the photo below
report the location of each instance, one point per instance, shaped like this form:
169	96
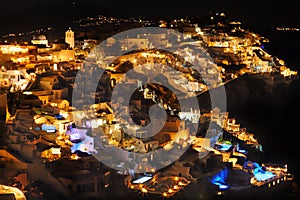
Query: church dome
39	37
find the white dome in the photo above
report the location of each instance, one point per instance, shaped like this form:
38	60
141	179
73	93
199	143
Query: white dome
39	37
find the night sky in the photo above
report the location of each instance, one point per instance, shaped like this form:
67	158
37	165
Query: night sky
252	11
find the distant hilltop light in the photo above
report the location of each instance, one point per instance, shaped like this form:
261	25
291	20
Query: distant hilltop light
235	22
221	14
287	29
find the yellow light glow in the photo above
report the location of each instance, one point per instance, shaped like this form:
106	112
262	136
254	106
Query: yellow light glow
144	190
18	194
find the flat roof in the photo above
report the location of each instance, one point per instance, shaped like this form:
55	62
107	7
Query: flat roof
143	179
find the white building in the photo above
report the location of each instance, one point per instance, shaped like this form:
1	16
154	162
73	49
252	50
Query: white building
69	38
136	43
40	40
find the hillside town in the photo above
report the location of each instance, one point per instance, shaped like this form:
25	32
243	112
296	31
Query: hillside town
73	112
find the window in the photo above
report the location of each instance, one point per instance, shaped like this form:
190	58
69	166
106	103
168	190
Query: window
100	185
78	188
92	187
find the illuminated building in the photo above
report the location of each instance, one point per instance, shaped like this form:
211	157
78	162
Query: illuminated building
64	55
166	185
89	43
13	49
88	185
44	57
40	40
51	154
69	38
60	103
191	31
7	192
48	82
136	43
14	79
156	40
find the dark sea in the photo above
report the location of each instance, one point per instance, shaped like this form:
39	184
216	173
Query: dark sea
277	124
285	45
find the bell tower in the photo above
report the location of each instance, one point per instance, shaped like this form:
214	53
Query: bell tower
69	38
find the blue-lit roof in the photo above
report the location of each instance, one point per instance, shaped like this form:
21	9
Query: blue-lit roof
219	179
261	175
